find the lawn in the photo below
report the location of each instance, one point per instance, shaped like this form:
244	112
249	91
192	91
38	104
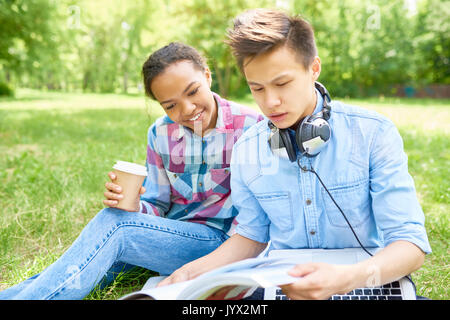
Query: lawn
56	149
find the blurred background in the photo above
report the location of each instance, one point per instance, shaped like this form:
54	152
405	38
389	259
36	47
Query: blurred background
368	48
72	104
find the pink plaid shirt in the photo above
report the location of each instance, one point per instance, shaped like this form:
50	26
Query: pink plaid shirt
188	175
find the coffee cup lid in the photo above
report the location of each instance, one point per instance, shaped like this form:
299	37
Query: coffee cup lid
130	167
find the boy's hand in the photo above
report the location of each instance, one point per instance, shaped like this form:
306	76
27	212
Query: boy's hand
318	281
182	274
234	249
114	192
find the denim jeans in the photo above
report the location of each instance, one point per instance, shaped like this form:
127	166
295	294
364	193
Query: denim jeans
116	240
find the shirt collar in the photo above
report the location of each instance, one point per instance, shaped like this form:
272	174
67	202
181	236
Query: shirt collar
224	121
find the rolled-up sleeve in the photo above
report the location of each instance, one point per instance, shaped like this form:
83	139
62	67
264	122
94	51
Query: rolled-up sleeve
396	209
253	222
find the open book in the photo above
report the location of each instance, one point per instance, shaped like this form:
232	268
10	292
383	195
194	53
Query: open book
231	282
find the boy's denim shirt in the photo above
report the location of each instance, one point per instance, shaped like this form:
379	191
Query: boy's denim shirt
363	166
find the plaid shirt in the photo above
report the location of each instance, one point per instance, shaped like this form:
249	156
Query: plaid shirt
188	175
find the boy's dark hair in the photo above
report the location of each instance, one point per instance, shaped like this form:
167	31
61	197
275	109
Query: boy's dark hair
260	30
159	60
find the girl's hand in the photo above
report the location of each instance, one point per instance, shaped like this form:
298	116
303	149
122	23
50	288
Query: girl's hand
114	192
318	281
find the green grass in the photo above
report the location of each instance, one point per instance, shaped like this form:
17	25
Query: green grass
56	149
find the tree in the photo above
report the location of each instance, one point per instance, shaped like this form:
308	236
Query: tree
432	42
366	47
29	35
208	21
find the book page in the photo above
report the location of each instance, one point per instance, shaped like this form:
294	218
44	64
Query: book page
152	282
233	280
232	292
228	284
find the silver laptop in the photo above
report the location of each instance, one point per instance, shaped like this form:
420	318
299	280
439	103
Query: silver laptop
402	289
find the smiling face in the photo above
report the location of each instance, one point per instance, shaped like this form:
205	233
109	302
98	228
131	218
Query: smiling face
281	86
184	93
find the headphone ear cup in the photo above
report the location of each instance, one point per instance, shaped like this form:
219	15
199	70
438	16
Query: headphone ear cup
315	132
286	140
300	133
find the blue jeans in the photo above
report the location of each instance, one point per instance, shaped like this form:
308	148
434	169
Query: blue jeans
113	241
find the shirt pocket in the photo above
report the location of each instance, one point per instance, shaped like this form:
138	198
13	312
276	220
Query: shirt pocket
181	184
278	207
353	199
218	181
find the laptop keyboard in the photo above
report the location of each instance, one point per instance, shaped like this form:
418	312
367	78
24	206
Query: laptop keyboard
389	291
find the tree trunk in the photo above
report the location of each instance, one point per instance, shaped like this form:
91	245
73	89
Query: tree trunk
125	82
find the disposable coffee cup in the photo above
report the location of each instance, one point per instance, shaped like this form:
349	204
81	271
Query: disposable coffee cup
130	176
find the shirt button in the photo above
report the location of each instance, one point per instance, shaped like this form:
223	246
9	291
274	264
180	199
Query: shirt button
312	232
308	201
200	184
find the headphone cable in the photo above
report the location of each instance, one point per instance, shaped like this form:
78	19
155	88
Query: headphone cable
346	220
331	197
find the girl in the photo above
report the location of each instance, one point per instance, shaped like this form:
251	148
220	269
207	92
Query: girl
184	211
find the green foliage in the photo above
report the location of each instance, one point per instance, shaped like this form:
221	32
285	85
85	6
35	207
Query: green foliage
29	41
208	22
366	48
433	42
6	90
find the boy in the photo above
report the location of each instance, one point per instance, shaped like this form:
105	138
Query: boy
354	154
